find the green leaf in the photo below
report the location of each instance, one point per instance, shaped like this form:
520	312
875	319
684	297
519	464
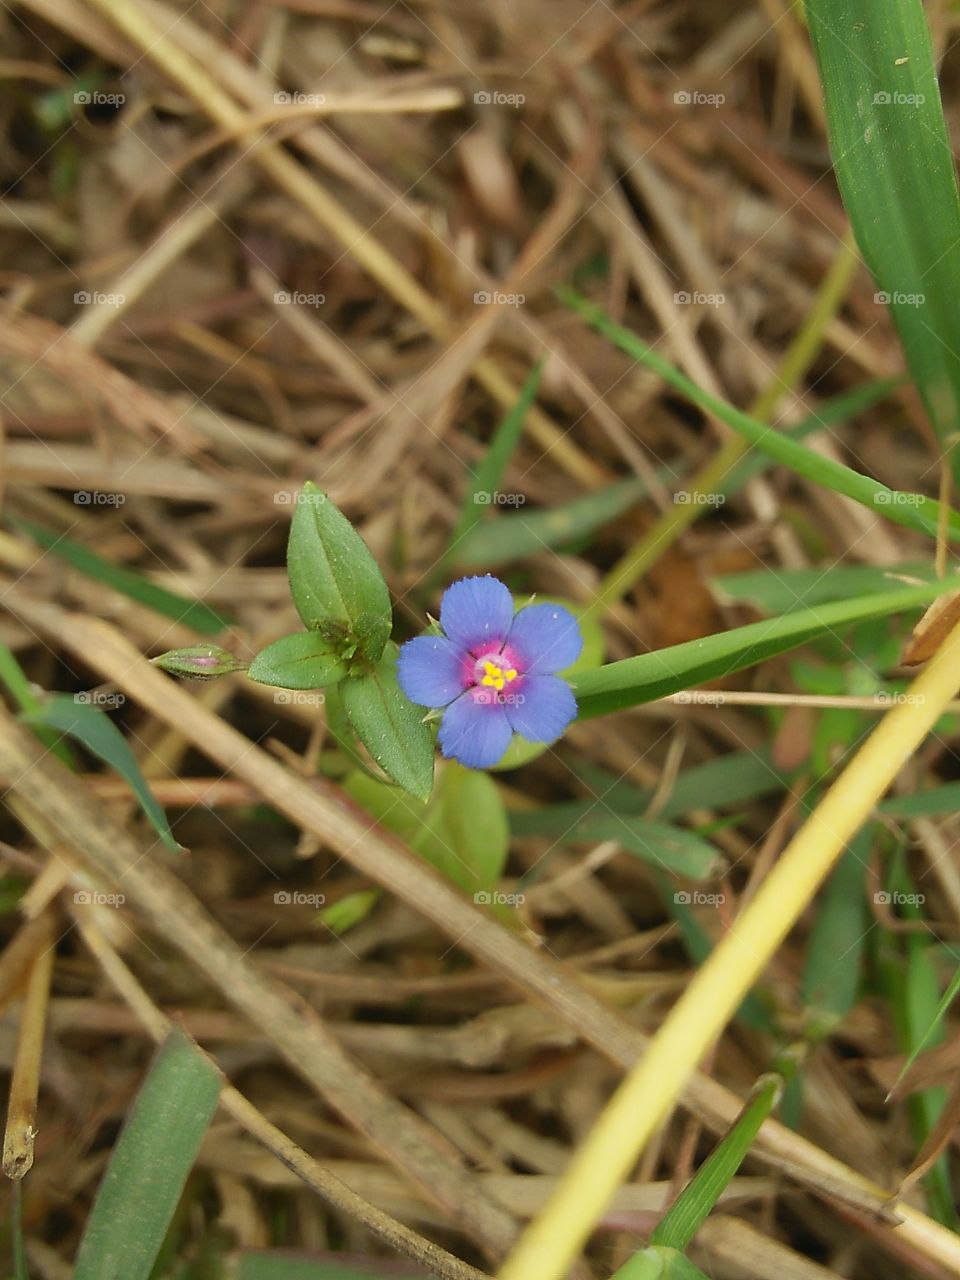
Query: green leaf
469	836
783	590
666	847
286	1265
830	413
20	689
912	510
486	479
690	1210
925	804
659	1263
299	661
654	675
336	585
895	168
831	975
524	533
513	535
698	945
720	783
390	726
149	1165
199	617
94	730
462	830
339	917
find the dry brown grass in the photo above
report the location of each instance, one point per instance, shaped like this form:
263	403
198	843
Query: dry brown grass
424	1079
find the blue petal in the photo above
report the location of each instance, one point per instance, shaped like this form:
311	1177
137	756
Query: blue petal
547	707
430	671
476	611
475	734
546	637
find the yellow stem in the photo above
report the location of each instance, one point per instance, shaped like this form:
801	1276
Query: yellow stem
550	1244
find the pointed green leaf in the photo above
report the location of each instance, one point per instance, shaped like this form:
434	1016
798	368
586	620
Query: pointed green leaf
299	661
349	911
895	168
486	479
516	534
666	847
93	729
336	585
682	666
912	510
149	1166
390	726
192	613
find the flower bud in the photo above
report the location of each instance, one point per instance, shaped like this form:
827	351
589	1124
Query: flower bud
199	662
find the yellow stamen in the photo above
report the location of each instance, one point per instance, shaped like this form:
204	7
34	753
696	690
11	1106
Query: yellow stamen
496	677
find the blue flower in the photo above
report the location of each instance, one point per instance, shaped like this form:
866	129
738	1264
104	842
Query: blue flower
493	671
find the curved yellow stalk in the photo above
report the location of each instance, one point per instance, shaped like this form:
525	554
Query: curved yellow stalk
550	1244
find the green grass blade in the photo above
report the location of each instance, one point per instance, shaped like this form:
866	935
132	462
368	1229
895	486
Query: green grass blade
925	804
722	783
149	1166
912	510
191	613
631	681
523	533
517	534
659	1263
685	1217
487	477
831	975
910	975
287	1266
782	590
97	732
832	413
19	688
896	174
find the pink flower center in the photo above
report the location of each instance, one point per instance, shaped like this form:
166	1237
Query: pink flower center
493	676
